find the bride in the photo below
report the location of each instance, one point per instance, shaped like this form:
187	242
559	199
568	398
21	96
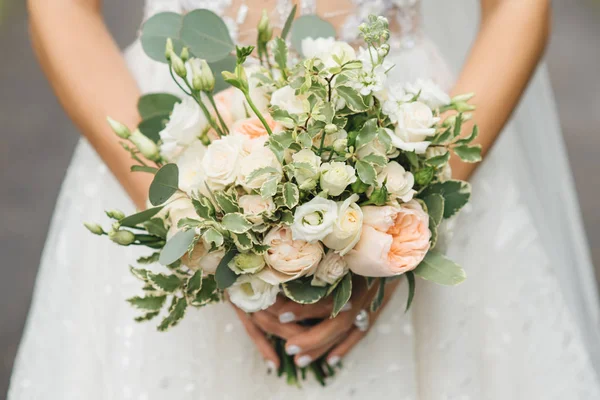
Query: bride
525	325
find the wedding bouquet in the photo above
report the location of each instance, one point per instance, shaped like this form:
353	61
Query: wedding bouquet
311	169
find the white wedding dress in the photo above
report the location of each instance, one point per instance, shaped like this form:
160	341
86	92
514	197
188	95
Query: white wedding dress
524	326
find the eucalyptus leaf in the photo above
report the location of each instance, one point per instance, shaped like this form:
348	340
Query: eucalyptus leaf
156	104
301	291
438	269
342	294
310	26
176	247
224	276
155	32
156	227
164	185
140	217
152	126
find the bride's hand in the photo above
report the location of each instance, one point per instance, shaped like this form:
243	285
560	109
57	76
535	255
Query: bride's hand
334	335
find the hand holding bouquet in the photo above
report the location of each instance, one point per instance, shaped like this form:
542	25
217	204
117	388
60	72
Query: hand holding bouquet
304	175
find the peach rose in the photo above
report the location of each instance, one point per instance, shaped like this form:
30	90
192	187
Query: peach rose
288	259
253	132
394	240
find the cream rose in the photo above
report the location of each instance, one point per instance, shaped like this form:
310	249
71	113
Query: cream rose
429	93
289	259
314	220
415	123
286	99
191	173
221	162
252	294
398	181
347	228
326	48
261	157
331	269
394	240
336	176
186	124
202	259
307	179
254	207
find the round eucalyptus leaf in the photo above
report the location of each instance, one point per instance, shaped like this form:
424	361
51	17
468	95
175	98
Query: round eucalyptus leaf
152	126
155	32
153	104
176	247
164	185
206	35
310	26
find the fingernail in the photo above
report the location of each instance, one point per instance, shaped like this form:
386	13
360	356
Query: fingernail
333	361
346	307
271	366
292	350
303	361
287	317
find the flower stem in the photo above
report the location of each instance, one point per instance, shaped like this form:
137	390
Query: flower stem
258	114
207	114
212	101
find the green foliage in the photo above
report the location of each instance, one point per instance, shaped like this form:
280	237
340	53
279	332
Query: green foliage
141	217
288	23
157	104
226	202
301	291
354	100
152	126
164	185
291	195
148	303
470	154
455	193
366	172
342	294
379	296
224	276
177	247
176	314
438	269
410	277
310	26
165	283
236	223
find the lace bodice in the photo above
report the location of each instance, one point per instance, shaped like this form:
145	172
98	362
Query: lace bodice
241	15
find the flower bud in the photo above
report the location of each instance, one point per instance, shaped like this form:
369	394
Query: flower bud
463	97
379	196
207	77
331	128
383	50
383	21
385	35
185	54
169	49
121	130
115	214
124	238
265	32
339	146
450	121
196	74
464	107
362	27
147	147
94	228
178	65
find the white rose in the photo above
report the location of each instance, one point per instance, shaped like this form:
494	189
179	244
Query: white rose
261	157
314	220
347	228
191	173
398	181
330	270
286	99
289	259
415	123
252	294
221	162
307	178
254	206
429	93
336	176
325	48
186	123
446	172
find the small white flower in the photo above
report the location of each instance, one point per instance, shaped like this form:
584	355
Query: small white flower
429	93
191	173
186	124
252	294
260	157
314	220
347	228
326	48
415	123
336	176
286	99
398	181
331	269
307	178
221	162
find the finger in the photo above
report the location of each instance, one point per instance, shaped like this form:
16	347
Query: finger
270	324
292	311
275	309
304	359
320	335
260	340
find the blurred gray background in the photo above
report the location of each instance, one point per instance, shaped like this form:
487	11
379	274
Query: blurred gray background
36	141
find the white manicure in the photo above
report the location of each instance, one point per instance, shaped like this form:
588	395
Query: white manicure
270	366
292	350
287	317
303	361
346	307
333	361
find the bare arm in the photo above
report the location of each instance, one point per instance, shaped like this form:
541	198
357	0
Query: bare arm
510	43
90	78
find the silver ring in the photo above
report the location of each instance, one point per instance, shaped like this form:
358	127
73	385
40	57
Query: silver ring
361	321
